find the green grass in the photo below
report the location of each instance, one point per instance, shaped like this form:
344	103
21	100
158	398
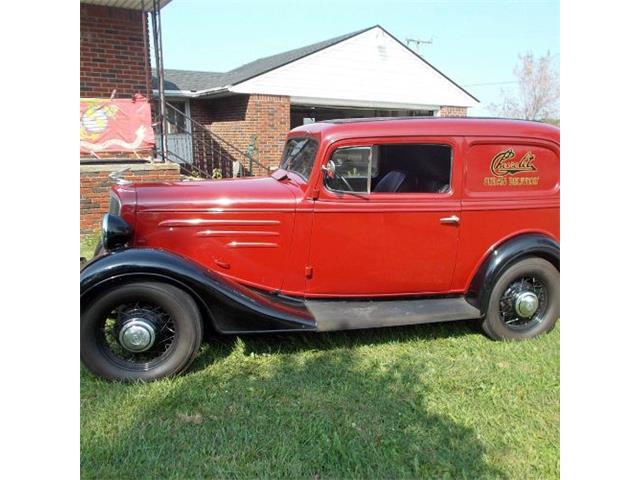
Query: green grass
88	244
430	401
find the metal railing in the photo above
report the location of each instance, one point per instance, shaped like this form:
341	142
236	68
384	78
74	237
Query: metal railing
200	152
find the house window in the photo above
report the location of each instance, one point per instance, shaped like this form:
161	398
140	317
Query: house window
177	117
392	168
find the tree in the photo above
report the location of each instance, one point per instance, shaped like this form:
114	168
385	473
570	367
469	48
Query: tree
538	91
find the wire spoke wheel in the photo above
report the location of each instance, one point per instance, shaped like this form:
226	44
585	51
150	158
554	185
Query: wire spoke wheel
137	335
139	331
524	302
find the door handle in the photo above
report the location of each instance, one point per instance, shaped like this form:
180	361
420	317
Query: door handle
452	219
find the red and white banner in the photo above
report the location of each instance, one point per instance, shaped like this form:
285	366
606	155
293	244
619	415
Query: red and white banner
117	125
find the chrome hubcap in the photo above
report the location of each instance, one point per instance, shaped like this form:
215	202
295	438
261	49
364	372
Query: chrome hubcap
137	335
526	304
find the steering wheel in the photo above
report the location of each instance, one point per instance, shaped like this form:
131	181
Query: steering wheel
344	180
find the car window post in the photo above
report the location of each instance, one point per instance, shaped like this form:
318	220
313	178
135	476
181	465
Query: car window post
369	169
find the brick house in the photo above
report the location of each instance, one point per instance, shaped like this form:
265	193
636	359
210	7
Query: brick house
362	74
114	48
114	54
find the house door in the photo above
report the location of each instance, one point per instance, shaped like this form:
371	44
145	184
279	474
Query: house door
386	223
179	147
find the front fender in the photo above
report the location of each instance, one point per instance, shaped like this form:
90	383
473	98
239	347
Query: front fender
230	306
505	255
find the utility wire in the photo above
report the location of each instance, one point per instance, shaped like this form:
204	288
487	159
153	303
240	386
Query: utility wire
499	83
489	83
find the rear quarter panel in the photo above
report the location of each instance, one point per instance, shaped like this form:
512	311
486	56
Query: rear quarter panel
511	187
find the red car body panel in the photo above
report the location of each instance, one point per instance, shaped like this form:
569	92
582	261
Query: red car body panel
283	233
242	228
382	236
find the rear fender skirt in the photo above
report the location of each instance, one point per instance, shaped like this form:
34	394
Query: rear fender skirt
231	307
503	256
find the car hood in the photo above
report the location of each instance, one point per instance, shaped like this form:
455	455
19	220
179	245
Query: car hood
214	195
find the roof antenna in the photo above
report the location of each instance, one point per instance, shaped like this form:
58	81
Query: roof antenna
418	42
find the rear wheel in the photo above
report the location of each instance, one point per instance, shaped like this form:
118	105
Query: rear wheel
524	302
140	331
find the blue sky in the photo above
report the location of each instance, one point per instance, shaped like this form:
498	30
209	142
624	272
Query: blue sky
476	43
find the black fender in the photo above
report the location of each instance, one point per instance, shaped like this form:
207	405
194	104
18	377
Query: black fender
505	255
230	306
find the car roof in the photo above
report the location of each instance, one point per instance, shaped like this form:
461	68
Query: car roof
339	129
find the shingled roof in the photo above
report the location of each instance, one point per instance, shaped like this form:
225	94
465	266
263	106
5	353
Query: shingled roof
188	80
194	81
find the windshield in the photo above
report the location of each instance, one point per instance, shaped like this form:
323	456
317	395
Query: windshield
299	155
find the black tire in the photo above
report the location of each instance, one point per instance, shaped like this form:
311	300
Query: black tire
175	304
543	274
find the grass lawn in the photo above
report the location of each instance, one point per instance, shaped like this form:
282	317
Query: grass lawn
88	245
432	401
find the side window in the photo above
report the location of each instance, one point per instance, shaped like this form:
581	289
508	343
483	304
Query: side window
351	170
391	168
413	168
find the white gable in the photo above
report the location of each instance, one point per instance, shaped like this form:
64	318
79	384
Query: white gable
369	69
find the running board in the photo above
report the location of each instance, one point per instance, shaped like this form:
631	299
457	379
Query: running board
352	314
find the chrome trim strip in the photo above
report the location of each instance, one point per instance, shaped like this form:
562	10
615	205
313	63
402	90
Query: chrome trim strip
235	244
228	233
369	169
115	206
215	211
195	222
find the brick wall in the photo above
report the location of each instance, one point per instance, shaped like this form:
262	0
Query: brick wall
453	111
237	118
112	52
95	186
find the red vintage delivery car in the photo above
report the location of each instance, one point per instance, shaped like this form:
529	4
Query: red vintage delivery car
366	223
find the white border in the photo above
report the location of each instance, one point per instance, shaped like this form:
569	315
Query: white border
600	400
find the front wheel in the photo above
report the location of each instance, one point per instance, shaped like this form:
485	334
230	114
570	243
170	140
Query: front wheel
524	302
140	331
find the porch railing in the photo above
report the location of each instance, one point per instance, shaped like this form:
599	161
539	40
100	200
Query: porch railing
202	153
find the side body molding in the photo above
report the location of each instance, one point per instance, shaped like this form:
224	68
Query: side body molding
230	306
503	256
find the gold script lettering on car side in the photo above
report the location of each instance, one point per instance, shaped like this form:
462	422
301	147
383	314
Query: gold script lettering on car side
504	164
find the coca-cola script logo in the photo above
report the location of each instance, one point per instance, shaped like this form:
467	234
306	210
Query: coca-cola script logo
504	164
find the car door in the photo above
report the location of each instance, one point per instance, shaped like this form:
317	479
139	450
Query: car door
374	236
